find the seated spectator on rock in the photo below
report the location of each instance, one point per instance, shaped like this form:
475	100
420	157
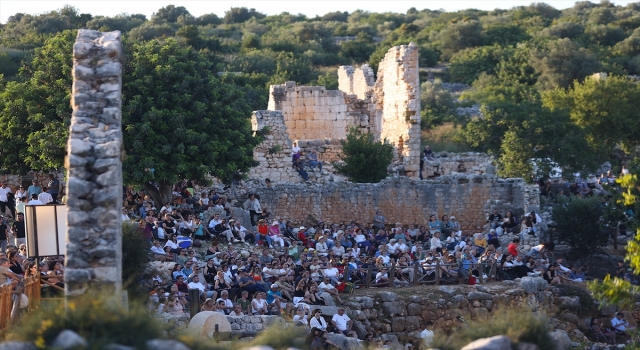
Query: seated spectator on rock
436	243
577	274
495	219
322	248
195	284
312	160
295	151
492	238
513	246
274	235
276	302
510	223
332	273
452	241
551	275
237	311
434	224
598	328
620	324
299	167
301	318
445	225
209	305
480	242
248	283
326	287
240	233
224	298
173	307
343	323
536	251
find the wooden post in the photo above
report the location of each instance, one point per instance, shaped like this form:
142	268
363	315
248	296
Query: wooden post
415	272
392	274
368	278
480	272
345	274
194	302
437	272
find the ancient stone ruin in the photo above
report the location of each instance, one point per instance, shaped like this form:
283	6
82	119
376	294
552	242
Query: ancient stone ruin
388	107
94	178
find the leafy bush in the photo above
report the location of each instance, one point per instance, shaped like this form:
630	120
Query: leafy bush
587	306
577	225
519	327
365	160
134	259
93	317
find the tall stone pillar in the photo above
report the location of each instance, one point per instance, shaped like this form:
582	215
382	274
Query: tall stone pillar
94	177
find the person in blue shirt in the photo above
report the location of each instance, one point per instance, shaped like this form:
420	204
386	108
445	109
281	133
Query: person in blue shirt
276	302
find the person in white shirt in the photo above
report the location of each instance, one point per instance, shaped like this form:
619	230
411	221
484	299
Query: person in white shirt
237	311
343	323
619	323
326	287
124	215
224	297
4	200
34	200
402	247
436	243
157	248
21	192
331	273
300	318
392	246
45	197
317	321
196	284
214	221
338	249
321	247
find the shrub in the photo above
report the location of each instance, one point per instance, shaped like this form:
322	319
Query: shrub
577	225
519	327
134	257
365	160
93	317
587	306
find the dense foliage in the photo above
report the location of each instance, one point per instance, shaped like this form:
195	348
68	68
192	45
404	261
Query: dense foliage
577	224
363	158
528	67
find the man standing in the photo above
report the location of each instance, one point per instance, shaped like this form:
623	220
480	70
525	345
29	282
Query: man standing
343	323
34	188
54	188
4	237
4	199
45	197
253	206
18	230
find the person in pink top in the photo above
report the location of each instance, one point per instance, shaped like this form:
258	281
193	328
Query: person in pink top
275	235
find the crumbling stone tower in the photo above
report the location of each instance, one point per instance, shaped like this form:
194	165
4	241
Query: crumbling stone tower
388	107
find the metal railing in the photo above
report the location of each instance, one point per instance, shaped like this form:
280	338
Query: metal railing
422	273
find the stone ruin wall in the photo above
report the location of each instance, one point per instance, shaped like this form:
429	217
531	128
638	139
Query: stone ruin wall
397	92
446	163
468	197
310	112
275	166
389	108
94	178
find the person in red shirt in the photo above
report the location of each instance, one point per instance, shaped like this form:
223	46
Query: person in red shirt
513	247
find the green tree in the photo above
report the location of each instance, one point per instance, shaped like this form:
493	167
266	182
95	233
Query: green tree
564	30
562	62
35	113
180	121
437	105
241	14
577	225
170	13
606	109
467	65
615	290
459	36
365	160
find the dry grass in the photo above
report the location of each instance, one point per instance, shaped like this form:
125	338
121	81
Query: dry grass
443	138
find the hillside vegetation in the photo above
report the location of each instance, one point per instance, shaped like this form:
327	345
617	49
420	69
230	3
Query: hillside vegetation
528	67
